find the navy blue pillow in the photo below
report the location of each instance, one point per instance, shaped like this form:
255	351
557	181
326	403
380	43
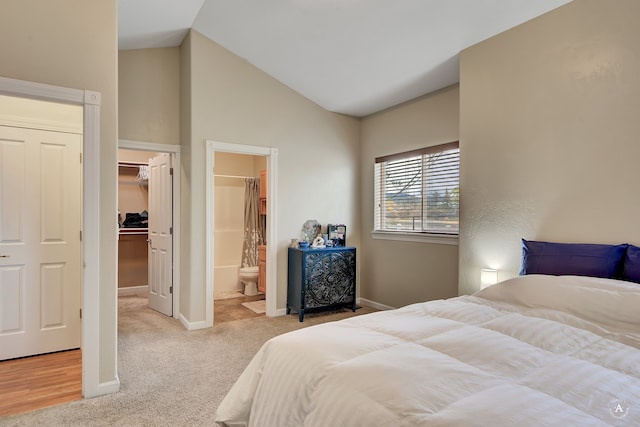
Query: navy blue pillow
631	270
574	259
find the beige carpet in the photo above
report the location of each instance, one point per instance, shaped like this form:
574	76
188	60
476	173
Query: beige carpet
170	376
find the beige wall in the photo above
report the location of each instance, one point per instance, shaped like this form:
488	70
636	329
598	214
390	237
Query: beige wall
73	44
15	111
239	165
135	156
549	135
229	100
397	273
149	95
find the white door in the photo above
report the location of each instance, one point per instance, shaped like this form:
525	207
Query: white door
160	234
40	241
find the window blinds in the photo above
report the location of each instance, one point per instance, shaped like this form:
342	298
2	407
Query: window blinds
418	191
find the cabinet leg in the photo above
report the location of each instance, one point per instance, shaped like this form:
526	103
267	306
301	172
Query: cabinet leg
288	309
301	315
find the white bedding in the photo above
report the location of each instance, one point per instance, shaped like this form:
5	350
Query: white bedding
531	351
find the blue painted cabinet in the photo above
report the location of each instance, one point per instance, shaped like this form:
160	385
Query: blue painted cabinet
321	279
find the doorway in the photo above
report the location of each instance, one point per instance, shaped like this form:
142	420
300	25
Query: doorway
92	385
270	154
149	223
240	238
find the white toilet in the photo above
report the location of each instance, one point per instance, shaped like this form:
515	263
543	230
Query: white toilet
249	277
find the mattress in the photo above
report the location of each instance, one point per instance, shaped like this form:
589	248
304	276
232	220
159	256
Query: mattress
530	351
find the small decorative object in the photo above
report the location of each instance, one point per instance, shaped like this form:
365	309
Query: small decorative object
294	243
318	242
303	245
337	234
310	230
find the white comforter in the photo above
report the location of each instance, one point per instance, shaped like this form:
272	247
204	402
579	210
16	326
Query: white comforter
531	351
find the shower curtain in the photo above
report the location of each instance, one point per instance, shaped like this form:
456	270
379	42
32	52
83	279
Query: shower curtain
254	223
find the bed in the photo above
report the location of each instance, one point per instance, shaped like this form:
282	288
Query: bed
537	349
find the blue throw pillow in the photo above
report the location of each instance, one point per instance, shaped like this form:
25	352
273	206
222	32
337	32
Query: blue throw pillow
631	270
573	259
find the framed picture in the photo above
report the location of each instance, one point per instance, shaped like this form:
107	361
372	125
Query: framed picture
337	234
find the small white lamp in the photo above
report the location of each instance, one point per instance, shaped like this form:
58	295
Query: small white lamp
488	277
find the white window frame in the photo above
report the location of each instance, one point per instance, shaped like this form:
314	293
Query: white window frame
413	236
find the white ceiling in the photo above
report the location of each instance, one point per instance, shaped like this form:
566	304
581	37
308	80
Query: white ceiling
354	57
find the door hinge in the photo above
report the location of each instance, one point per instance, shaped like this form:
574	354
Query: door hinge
81	235
170	171
81	313
170	289
170	230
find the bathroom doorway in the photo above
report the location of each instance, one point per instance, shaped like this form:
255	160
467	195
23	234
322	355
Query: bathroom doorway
239	235
233	296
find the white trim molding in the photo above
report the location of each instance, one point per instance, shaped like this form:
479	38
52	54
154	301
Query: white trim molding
92	384
193	326
148	146
45	92
374	304
442	239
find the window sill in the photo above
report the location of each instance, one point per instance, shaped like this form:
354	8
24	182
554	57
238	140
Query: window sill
442	239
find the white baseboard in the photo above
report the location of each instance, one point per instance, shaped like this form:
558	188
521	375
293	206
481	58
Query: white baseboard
130	290
104	388
374	304
281	312
193	326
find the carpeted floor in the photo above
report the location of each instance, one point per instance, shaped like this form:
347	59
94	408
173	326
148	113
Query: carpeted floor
170	376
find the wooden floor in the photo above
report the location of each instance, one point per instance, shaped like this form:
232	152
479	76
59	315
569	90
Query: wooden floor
227	310
39	381
36	382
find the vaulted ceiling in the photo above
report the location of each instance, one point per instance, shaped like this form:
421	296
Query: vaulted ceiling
353	57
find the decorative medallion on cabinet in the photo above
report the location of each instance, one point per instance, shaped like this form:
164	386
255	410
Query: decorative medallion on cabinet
321	279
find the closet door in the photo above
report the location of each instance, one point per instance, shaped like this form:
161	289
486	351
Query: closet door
160	234
40	247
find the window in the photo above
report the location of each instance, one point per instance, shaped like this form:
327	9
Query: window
418	191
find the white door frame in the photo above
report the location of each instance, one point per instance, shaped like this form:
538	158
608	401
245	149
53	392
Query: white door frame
174	151
272	162
90	101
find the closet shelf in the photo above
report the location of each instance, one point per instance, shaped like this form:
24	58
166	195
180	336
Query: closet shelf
132	164
127	230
